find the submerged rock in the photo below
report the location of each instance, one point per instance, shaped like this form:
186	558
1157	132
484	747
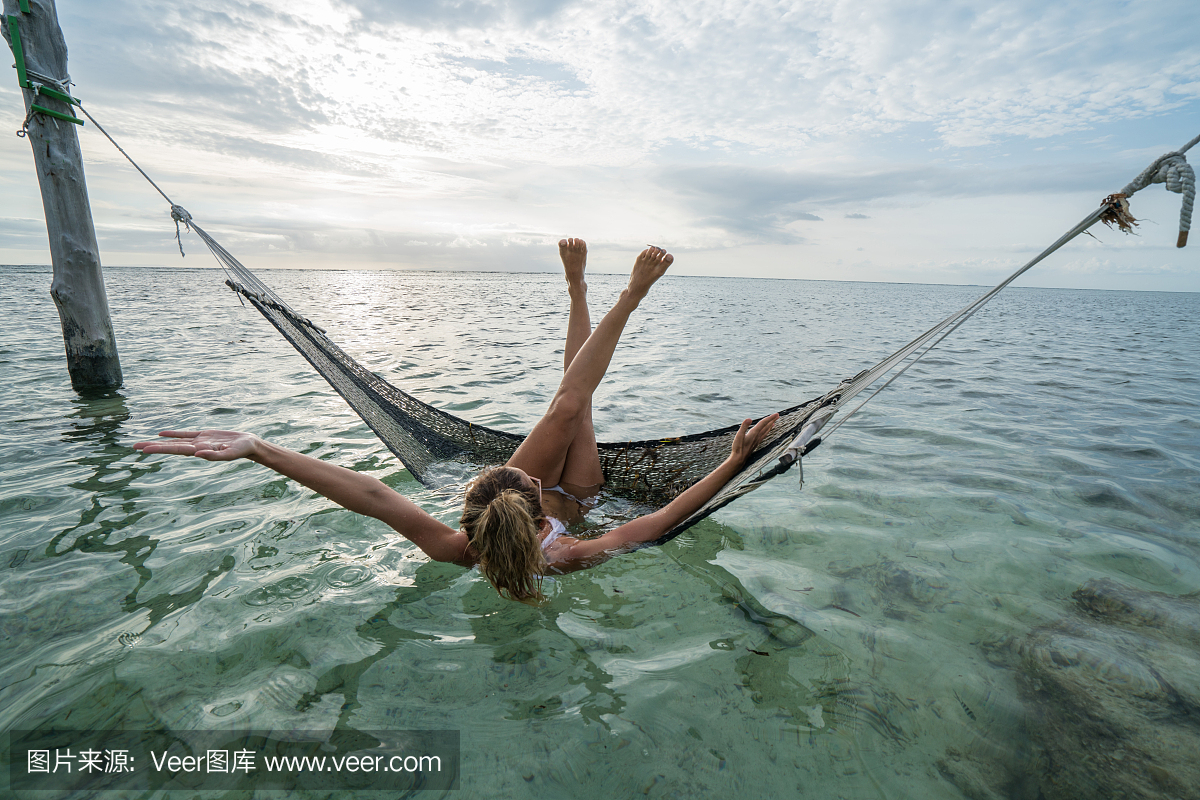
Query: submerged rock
1114	695
989	778
1112	703
1176	617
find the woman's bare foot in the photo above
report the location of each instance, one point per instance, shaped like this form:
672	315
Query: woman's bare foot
651	264
574	257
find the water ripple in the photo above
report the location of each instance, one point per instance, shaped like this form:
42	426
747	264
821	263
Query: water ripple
843	638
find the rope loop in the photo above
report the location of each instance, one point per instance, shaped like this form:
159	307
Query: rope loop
1179	177
34	85
1173	170
63	85
25	125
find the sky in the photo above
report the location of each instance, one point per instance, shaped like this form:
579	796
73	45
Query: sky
927	141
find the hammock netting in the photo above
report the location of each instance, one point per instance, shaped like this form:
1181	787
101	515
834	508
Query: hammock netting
651	472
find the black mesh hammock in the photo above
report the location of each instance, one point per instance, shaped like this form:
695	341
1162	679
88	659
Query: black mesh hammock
652	471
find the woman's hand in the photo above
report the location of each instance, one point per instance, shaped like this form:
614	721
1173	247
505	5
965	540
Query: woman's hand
748	439
209	445
581	553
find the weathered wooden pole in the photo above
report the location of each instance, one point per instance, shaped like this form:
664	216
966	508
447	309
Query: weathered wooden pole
40	53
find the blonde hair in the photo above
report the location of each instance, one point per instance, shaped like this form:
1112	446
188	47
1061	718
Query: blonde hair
501	517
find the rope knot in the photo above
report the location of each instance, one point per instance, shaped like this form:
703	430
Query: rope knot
1176	173
180	214
1173	170
1180	178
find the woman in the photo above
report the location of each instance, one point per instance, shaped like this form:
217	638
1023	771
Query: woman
511	526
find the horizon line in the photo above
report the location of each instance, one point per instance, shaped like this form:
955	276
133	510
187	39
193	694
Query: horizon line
50	268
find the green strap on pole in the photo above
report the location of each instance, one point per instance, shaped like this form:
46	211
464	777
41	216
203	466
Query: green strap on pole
24	6
14	30
57	95
55	114
14	35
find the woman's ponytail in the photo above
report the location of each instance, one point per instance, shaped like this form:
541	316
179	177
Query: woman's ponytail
501	518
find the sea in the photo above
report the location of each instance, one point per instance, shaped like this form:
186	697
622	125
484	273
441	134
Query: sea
986	585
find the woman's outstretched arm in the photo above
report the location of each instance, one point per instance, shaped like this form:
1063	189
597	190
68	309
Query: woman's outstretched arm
584	553
351	490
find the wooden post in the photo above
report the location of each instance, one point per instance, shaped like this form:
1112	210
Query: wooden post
78	284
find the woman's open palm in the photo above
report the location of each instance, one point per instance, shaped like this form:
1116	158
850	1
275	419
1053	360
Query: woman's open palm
209	445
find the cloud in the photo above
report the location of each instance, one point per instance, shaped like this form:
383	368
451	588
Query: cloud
766	202
376	124
1097	265
216	67
22	231
454	14
516	81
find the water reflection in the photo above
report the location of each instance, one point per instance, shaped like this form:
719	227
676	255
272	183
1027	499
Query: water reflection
386	637
96	429
788	667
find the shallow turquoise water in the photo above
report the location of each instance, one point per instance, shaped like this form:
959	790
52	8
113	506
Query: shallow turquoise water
867	636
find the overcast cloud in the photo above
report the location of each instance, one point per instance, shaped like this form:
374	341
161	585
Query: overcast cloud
917	141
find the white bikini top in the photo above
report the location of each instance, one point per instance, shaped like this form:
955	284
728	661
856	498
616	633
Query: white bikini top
556	529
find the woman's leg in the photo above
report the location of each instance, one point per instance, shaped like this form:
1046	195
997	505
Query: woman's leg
579	324
543	454
581	471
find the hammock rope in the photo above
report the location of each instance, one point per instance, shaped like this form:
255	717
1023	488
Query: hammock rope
955	320
650	471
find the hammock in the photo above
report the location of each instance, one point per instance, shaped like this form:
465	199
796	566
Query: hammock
420	435
651	471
